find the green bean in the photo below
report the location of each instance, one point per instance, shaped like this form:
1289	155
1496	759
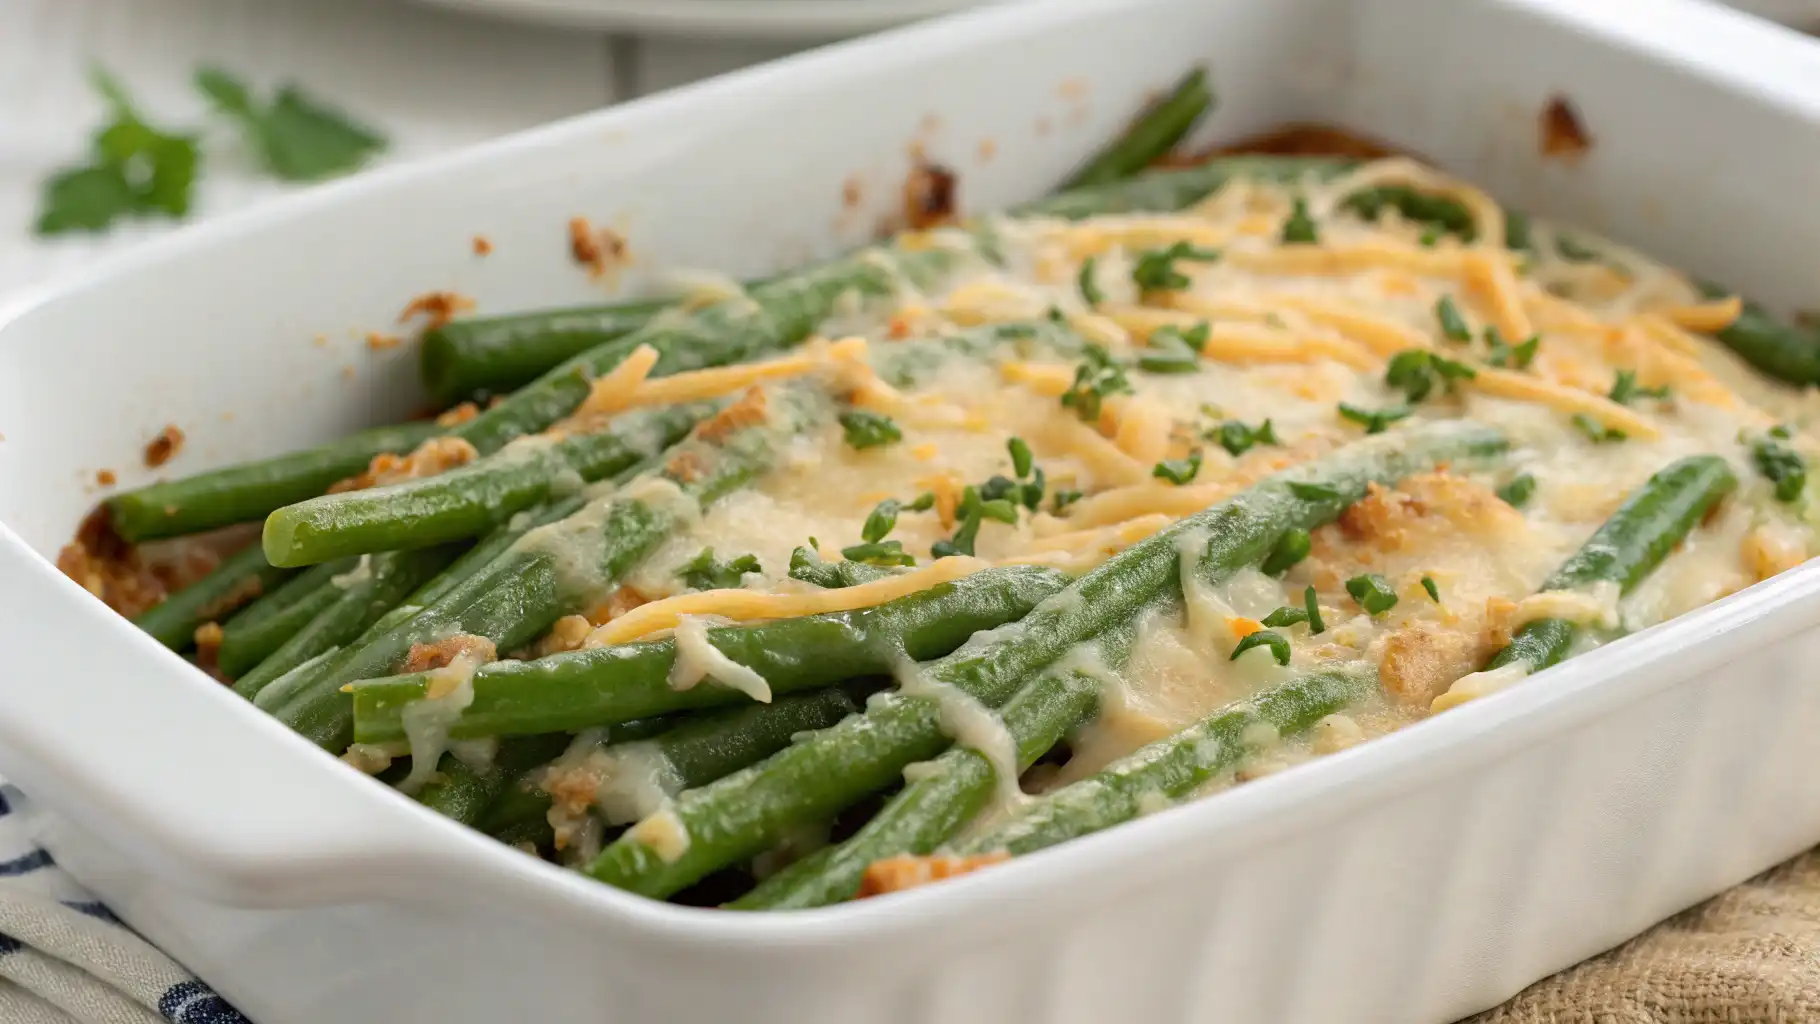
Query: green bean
1174	767
599	686
1624	549
245	492
357	601
1784	351
239	578
471	499
951	790
479	357
772	317
813	779
809	567
1151	136
521	593
261	627
1162	191
521	811
464	791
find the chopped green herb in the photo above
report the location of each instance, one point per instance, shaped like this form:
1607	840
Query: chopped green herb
1517	493
1021	458
297	137
1430	238
1624	388
1414	372
1781	432
1782	466
1237	438
1292	548
1434	592
1194	337
1089	282
134	169
1312	604
1284	617
890	552
881	522
1178	471
1300	228
704	572
1097	378
869	429
1373	592
1572	251
999	487
1168	355
1063	499
972	511
1453	325
1155	270
1375	421
1502	353
1312	492
923	503
1278	644
1598	432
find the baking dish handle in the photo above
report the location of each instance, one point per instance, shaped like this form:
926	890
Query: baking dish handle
147	755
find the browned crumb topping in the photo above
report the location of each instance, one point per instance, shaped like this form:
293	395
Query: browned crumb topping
929	196
482	246
906	871
378	342
208	648
566	635
617	603
1563	134
749	411
132	579
165	446
1422	659
599	251
439	307
686	465
105	477
458	415
437	455
442	653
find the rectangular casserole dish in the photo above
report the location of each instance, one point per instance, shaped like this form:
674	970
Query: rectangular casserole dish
1419	877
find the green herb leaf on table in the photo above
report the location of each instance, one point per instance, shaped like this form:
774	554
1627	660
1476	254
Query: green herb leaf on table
297	137
135	170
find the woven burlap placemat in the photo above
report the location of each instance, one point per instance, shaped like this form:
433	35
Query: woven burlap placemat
1748	956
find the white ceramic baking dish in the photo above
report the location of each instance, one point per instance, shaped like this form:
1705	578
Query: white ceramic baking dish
1416	878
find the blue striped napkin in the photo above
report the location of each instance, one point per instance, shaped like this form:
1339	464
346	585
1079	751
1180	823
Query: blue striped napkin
66	959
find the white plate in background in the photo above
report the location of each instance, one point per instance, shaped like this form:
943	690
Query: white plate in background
795	19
